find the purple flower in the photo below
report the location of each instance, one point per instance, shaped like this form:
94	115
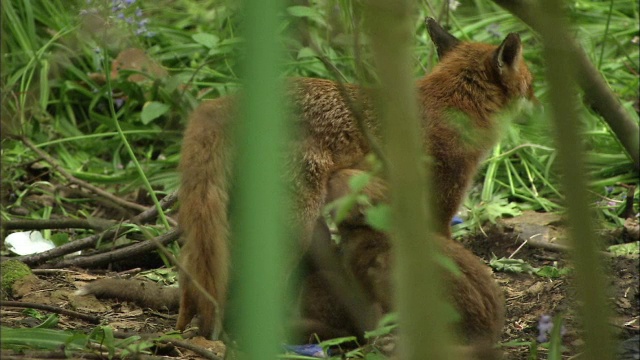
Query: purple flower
545	326
118	102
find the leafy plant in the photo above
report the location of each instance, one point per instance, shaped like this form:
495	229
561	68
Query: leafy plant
520	266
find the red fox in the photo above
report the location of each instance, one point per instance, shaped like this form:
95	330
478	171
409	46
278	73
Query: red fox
367	255
458	100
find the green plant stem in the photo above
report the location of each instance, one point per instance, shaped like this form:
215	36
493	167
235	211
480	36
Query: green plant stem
259	222
420	292
589	275
597	92
101	135
606	32
127	146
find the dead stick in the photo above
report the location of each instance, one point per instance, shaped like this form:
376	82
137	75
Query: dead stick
597	93
196	349
119	254
54	309
92	240
557	247
57	224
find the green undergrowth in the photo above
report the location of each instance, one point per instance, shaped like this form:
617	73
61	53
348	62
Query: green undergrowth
56	93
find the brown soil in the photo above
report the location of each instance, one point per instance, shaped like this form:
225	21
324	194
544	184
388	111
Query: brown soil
527	296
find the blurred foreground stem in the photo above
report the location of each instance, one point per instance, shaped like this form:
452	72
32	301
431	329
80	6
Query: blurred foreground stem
419	290
561	73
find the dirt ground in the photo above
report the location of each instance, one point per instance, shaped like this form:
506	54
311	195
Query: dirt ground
527	296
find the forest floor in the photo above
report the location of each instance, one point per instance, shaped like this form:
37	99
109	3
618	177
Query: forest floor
527	296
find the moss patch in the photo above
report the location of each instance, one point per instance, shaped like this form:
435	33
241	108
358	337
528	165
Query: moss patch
12	270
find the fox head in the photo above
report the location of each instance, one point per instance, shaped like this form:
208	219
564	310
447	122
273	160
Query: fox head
503	65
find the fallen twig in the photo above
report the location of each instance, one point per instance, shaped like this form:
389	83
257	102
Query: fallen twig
556	247
54	309
597	94
43	224
195	348
119	254
92	240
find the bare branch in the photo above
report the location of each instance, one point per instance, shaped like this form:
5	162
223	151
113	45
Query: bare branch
43	224
92	240
54	309
119	254
596	91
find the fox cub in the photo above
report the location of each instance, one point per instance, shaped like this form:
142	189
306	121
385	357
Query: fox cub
458	103
366	255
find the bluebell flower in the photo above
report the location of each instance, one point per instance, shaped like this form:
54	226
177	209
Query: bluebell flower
126	12
545	325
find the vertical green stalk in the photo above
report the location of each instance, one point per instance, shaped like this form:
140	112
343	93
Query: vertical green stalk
260	205
590	281
419	289
490	174
606	33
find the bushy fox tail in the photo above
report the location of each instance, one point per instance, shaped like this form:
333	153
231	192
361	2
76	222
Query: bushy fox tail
203	199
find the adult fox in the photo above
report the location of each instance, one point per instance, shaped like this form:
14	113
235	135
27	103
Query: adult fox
458	100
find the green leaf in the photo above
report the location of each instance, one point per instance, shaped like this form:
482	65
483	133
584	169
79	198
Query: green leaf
519	266
555	343
359	181
342	207
631	248
50	322
337	341
153	110
306	52
109	340
383	330
60	238
551	272
37	338
512	265
34	314
379	217
386	325
206	40
306	12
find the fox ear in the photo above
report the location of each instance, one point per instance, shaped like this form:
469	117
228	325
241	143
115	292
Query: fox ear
443	41
508	53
